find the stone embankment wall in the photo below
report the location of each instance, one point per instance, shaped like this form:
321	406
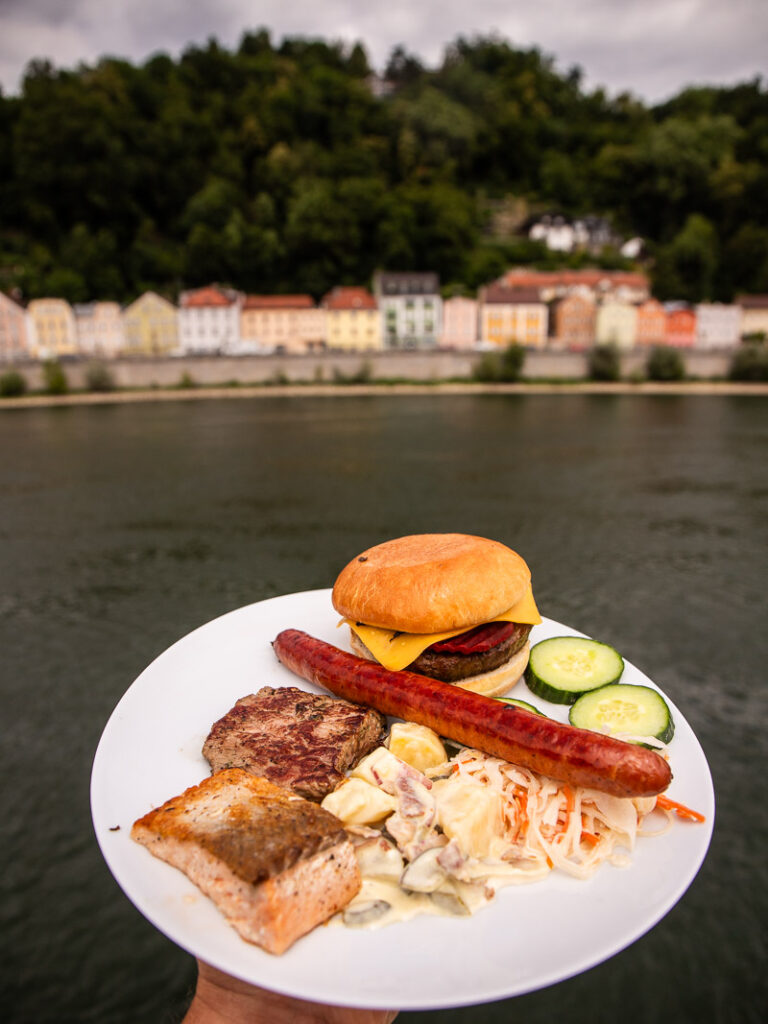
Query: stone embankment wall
329	367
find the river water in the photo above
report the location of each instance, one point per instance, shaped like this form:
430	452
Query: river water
124	527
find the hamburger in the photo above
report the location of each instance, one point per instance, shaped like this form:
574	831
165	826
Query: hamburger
450	606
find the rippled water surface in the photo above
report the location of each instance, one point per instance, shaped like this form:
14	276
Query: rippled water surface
124	527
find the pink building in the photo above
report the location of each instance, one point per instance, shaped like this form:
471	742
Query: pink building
460	323
14	338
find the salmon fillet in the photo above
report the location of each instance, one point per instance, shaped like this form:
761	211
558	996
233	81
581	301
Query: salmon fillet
274	864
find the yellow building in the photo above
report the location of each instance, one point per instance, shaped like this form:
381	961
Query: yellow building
53	329
616	324
512	316
151	326
352	319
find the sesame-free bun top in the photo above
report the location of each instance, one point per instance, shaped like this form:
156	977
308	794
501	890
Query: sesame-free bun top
431	582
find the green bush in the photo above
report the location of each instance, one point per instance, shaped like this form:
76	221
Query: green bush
603	363
749	362
54	378
504	366
186	381
12	384
665	363
98	378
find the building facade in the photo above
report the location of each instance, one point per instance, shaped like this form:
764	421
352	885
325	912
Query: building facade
554	284
460	323
100	329
718	325
352	320
512	316
754	314
681	325
651	323
14	333
151	327
53	331
411	308
282	323
574	321
616	324
209	320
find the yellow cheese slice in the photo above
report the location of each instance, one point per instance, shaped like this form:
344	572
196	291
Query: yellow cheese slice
396	650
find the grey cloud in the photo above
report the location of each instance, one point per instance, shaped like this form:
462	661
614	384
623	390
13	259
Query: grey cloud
649	47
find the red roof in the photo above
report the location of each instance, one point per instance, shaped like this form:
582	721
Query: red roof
349	298
209	296
522	277
502	294
278	302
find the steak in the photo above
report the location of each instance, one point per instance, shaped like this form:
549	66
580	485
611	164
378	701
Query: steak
298	740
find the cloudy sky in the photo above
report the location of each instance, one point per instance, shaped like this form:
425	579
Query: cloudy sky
649	47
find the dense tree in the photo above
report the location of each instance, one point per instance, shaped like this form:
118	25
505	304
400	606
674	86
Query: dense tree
285	166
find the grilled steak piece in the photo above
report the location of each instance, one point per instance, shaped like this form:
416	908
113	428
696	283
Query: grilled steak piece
451	668
298	740
275	865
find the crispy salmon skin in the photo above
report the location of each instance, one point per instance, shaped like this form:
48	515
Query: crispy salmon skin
274	864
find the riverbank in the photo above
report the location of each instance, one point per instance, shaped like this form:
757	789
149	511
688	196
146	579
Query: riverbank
192	394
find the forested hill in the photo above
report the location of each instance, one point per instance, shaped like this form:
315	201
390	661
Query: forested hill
290	168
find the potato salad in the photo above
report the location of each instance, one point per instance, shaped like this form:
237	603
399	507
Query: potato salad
439	835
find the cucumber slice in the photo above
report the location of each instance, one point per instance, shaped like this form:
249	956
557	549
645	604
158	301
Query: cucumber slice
621	708
562	668
521	704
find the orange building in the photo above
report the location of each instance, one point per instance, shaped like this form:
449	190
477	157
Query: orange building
575	321
289	323
651	323
681	325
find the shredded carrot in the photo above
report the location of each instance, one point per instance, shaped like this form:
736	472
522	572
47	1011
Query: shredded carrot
590	838
680	809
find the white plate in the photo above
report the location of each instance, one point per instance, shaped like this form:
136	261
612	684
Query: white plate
529	937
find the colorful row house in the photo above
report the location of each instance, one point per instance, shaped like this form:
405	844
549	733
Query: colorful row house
14	331
352	319
100	330
151	325
281	323
53	329
209	320
411	308
512	316
460	323
754	318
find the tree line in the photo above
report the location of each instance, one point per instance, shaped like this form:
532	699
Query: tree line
288	167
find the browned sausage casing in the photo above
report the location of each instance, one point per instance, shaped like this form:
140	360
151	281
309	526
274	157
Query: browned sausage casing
578	757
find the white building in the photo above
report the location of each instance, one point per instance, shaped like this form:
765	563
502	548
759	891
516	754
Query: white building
99	328
460	323
411	309
717	325
209	320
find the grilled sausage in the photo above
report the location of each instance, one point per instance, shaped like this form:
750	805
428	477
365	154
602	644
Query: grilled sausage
578	757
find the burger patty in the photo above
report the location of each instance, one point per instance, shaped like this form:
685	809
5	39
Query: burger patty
450	668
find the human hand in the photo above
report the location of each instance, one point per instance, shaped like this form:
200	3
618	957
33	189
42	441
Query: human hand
221	999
